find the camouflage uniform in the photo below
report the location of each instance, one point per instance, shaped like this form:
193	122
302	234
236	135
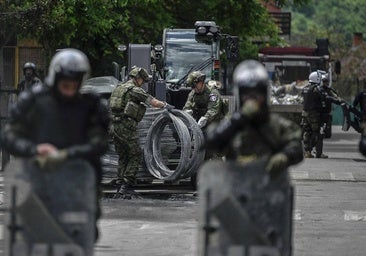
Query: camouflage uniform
311	121
317	118
277	135
127	110
208	104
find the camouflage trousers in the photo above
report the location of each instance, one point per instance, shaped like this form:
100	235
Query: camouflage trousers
126	141
311	124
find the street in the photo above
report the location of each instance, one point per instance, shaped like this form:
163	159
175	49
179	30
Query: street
330	215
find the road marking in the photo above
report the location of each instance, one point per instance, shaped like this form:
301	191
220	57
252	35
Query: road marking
300	175
355	215
1	232
347	176
145	226
297	215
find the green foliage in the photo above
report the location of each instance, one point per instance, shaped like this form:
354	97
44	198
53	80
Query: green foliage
336	20
332	18
98	26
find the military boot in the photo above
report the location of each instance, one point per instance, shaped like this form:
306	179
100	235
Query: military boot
321	156
126	191
308	154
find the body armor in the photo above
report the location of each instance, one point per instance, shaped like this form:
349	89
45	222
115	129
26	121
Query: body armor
122	103
312	98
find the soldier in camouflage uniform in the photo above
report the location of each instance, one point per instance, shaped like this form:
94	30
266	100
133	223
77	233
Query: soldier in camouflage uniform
128	108
204	102
325	113
311	115
254	132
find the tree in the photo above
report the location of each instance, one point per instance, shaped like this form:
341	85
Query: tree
336	20
98	26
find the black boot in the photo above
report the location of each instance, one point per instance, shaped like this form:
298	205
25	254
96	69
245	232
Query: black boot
126	191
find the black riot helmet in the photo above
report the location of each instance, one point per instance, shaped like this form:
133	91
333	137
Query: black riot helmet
29	65
250	76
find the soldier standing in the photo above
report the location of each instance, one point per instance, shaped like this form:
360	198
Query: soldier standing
325	114
204	103
30	77
128	108
56	123
311	122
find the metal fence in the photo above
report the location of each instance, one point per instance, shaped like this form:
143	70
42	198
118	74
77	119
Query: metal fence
12	60
8	97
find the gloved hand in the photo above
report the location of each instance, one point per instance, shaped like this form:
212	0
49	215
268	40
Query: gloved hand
51	161
168	106
250	108
189	111
277	163
202	122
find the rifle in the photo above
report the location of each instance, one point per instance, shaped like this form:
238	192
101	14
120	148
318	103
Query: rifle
347	110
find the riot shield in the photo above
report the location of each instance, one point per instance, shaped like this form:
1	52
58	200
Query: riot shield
52	211
243	210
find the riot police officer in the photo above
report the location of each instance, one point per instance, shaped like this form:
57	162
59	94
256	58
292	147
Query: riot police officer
254	132
30	77
260	146
128	108
204	102
311	121
55	123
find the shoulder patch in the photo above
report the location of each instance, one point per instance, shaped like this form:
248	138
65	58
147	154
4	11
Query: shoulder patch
213	97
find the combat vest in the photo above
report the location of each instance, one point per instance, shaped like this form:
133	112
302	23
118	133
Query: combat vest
122	105
201	101
312	98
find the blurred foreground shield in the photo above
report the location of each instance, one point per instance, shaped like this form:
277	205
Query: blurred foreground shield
243	211
54	211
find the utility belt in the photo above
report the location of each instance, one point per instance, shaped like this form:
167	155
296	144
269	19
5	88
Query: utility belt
244	159
122	117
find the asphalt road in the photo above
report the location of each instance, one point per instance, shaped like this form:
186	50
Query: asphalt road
330	215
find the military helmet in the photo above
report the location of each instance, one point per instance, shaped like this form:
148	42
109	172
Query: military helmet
315	77
29	65
69	64
195	77
250	75
137	72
